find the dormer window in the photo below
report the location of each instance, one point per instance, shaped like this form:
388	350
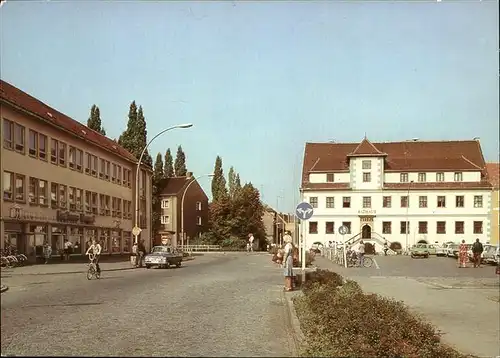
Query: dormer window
421	177
439	177
329	178
458	176
403	177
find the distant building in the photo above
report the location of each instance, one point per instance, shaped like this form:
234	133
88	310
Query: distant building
402	192
494	178
275	223
195	210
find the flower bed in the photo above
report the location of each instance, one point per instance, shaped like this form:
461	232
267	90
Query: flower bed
339	320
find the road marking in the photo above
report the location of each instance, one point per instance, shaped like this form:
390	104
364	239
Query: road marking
376	264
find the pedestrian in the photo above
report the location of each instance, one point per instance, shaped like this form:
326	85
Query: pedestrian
477	250
141	251
250	240
462	255
47	251
361	253
288	262
67	249
386	248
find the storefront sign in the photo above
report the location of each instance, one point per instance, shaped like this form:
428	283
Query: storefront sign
16	212
67	216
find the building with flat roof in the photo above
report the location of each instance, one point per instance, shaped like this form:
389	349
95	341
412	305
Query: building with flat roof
64	181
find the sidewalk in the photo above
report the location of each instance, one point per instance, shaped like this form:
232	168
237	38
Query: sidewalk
64	268
467	319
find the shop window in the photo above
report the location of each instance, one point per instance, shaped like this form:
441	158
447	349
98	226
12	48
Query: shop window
115	242
104	240
90	234
127	241
58	235
76	239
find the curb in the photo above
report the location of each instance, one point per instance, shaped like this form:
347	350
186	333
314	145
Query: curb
68	272
297	337
3	288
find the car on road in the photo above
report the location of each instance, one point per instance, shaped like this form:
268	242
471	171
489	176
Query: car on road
163	257
420	250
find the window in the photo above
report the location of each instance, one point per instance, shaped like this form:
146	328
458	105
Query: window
313	227
62	196
102	170
459	227
458	176
79	160
20	187
165	219
8	134
62	154
404	228
386	227
95	166
330	202
114	206
95	204
119	174
367	177
42	192
72	156
54	189
347	224
346	202
421	177
42	146
478	201
88	201
439	176
329	178
441	201
32	191
19	138
329	227
78	199
478	227
313	200
108	170
71	198
422	227
165	204
114	173
422	201
102	204
33	143
198	205
403	177
54	150
8	185
367	202
366	164
119	207
441	227
107	205
459	201
386	201
198	220
404	201
88	163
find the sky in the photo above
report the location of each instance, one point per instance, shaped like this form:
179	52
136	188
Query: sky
260	79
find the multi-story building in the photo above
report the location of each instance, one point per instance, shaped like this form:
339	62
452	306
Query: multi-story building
494	178
402	192
176	216
61	180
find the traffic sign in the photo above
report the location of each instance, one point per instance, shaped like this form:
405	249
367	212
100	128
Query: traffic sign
304	211
136	231
343	230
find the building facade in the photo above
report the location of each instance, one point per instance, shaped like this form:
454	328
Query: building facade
494	178
402	192
61	180
176	216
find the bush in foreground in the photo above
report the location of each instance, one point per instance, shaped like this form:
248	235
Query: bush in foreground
339	320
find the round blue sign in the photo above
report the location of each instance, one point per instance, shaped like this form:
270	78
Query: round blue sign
304	211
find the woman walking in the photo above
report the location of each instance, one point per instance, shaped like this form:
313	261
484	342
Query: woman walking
288	262
462	255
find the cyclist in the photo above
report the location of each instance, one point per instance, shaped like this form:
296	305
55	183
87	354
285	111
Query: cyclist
95	249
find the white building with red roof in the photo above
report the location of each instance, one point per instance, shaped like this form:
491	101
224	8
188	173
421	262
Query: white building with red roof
402	192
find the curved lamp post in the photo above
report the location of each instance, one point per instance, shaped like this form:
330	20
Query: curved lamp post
137	230
182	203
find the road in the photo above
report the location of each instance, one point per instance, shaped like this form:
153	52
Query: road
216	305
462	303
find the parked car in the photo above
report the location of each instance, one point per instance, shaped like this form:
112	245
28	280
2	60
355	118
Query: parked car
442	250
432	249
486	248
163	257
452	250
420	250
490	255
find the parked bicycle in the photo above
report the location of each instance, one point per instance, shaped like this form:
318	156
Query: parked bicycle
92	271
353	260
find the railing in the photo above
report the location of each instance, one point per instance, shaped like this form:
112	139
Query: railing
335	255
200	248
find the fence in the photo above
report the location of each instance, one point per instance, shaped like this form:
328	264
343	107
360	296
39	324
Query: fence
200	248
335	255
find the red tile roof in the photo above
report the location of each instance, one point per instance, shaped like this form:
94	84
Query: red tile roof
173	186
494	174
413	156
21	100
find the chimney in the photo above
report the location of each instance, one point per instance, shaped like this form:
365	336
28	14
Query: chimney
189	175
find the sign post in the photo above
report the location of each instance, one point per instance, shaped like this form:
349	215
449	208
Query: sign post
136	231
304	212
342	231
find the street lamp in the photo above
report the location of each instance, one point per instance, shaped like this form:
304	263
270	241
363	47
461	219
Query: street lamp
137	230
182	203
407	208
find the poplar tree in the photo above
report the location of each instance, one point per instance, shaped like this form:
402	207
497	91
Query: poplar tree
180	163
168	167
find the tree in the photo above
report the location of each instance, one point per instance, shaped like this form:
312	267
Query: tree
219	190
134	138
94	121
180	169
237	184
157	180
247	212
231	180
168	167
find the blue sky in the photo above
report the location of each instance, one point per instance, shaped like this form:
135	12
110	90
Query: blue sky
258	80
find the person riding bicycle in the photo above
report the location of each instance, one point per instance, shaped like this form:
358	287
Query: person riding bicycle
95	249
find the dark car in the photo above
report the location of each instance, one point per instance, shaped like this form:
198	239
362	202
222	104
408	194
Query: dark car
163	257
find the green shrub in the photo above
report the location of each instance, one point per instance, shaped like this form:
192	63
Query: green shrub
339	320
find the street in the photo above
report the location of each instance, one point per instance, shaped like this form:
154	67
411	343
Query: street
215	305
462	303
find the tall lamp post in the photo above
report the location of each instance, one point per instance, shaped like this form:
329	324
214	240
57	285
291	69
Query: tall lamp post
182	203
137	230
407	220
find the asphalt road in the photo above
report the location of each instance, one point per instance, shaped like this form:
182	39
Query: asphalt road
216	305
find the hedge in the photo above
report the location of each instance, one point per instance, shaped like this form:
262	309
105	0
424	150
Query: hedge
339	320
